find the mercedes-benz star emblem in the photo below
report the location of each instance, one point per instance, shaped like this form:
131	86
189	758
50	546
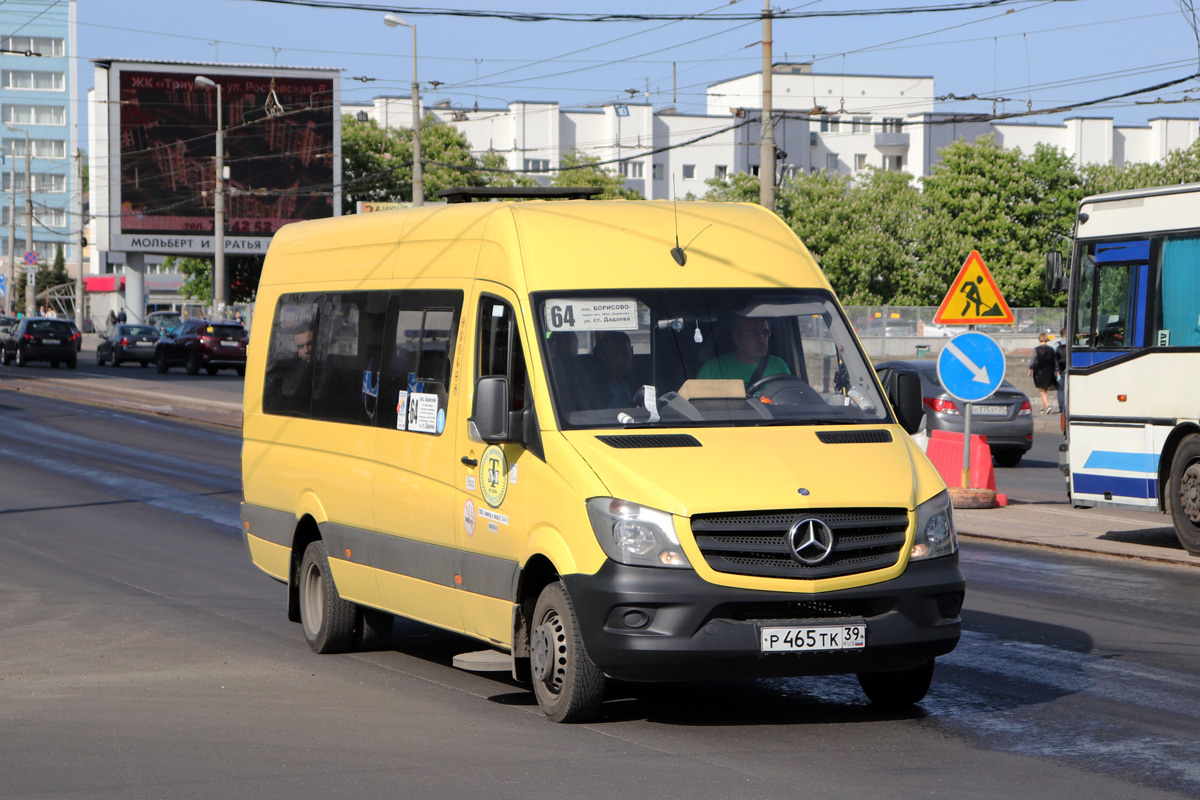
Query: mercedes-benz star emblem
810	540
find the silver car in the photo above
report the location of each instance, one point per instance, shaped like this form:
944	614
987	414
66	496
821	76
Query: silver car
1005	418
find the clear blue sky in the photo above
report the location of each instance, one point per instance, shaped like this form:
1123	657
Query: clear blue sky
1047	53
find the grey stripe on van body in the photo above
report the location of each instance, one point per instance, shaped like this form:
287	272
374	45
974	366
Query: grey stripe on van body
483	575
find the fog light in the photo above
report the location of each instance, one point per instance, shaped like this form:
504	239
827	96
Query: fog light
635	619
950	604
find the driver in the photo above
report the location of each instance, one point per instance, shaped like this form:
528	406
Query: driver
749	360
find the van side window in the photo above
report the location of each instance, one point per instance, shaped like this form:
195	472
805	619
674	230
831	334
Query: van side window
422	349
287	389
347	356
500	347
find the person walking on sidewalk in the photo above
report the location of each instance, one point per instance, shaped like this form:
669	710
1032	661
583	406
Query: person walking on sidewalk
1043	365
1060	356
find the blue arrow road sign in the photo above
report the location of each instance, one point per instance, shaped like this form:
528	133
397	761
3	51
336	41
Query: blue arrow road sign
971	366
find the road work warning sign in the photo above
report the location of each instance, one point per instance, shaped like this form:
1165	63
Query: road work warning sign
973	298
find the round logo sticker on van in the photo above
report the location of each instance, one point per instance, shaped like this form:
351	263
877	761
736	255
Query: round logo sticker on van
493	475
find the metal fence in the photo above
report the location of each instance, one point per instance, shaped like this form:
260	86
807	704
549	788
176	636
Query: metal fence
917	321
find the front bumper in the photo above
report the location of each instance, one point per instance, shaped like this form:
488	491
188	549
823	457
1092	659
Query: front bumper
700	630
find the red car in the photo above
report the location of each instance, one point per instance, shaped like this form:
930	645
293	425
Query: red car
197	344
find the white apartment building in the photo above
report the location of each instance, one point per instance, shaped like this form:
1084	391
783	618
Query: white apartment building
830	122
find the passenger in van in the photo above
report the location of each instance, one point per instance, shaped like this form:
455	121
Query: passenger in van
289	382
615	353
749	361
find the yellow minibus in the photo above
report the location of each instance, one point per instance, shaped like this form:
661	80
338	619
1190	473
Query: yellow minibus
549	427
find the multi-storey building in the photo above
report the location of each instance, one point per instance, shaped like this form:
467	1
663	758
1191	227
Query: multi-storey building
824	122
38	106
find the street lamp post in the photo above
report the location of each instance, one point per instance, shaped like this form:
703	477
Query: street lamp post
418	173
220	298
10	271
30	269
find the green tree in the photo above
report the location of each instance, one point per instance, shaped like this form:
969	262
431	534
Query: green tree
497	172
1180	166
242	274
581	170
57	275
1009	207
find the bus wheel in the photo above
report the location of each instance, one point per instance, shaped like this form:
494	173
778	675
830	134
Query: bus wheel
897	689
1184	494
327	619
567	685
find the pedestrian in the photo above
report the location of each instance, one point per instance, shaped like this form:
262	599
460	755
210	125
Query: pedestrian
1060	356
121	316
112	320
1042	368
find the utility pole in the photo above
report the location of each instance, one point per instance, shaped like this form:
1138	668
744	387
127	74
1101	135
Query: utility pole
766	156
30	269
392	21
79	244
219	295
10	271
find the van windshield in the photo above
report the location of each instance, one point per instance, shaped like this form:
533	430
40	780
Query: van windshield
703	357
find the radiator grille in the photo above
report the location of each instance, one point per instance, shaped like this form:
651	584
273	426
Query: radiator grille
756	543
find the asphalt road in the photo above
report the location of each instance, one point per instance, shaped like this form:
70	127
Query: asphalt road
143	656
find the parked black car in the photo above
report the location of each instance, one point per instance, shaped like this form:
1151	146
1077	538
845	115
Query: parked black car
40	339
200	344
128	343
1005	418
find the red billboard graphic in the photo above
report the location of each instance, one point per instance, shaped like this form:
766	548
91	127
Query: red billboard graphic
279	135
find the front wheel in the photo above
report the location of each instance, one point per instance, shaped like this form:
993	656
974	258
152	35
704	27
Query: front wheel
192	365
898	689
160	362
327	619
5	357
567	685
1184	494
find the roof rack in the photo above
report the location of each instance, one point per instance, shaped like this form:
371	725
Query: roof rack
465	194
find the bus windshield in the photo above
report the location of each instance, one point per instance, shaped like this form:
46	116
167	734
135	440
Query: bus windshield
704	357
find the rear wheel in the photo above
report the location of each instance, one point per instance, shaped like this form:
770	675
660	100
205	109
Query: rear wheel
22	358
72	363
897	689
5	357
327	619
1184	493
116	359
567	685
160	362
1008	458
192	365
99	359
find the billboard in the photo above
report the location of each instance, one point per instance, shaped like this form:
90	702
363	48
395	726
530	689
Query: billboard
281	142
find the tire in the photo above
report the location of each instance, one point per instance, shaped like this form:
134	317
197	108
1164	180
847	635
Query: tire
5	357
53	364
99	359
241	371
211	370
1008	458
327	619
22	359
567	685
72	363
898	689
160	362
1183	493
192	365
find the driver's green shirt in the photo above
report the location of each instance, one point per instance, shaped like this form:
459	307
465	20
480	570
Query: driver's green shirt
729	365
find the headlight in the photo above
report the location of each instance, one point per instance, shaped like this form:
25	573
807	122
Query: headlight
635	535
936	534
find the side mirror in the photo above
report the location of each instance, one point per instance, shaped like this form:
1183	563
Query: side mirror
489	419
904	393
1054	272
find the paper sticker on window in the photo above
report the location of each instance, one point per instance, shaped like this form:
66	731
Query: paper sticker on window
567	314
423	413
402	411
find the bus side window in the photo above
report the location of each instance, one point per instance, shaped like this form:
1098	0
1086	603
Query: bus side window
500	348
1177	322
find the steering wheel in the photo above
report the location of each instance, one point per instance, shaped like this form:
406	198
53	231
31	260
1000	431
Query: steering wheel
786	385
